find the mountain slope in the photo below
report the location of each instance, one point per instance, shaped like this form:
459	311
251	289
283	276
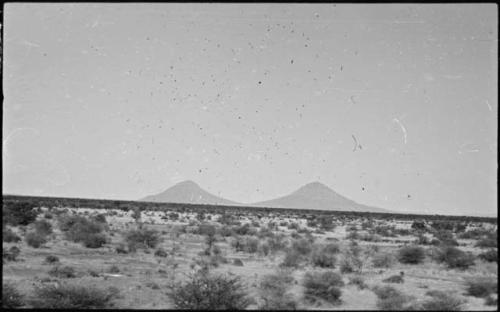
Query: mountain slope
187	192
317	196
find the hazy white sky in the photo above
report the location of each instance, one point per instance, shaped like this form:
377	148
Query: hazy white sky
252	101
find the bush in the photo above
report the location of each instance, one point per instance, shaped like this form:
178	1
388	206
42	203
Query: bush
455	258
160	252
43	227
207	292
481	287
351	261
383	260
411	255
323	285
302	246
82	230
35	240
358	281
143	238
487	243
50	259
322	258
245	244
390	298
237	262
11	298
273	291
9	236
442	301
62	272
292	259
18	213
11	253
94	240
489	256
73	296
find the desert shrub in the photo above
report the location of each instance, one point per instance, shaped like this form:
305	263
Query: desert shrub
491	300
50	259
370	237
11	297
11	253
293	226
489	256
383	260
62	272
292	259
302	246
82	230
411	255
174	216
273	292
143	238
442	301
476	233
237	262
418	225
73	296
481	287
43	227
245	244
35	240
352	235
100	218
422	240
487	243
121	249
244	230
358	281
323	285
209	292
94	240
160	252
321	257
384	230
332	248
390	298
351	260
277	243
455	258
326	223
18	213
445	237
114	269
9	236
264	249
206	229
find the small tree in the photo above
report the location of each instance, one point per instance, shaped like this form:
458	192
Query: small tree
204	291
411	255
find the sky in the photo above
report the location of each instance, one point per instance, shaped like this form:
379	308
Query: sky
390	105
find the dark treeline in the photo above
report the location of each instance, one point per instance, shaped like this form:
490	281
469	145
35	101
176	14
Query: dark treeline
50	202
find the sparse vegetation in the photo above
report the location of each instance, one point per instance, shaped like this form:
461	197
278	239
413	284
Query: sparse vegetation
72	296
323	285
11	297
411	255
34	240
210	292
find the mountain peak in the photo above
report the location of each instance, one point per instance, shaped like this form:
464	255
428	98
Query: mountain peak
188	192
187	183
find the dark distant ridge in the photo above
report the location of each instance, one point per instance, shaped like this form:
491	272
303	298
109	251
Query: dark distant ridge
188	192
316	195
